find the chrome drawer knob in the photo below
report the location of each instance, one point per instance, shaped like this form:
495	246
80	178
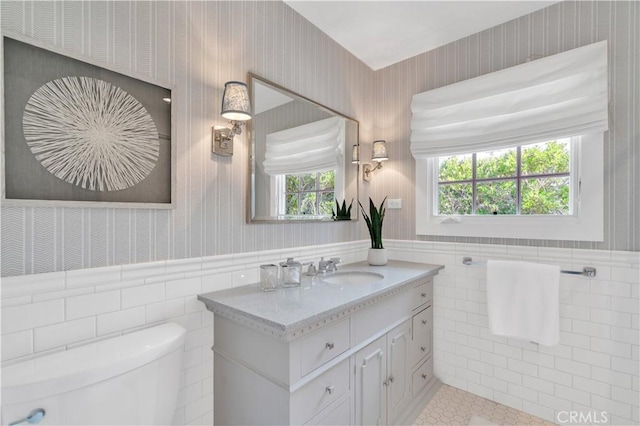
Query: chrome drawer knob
424	322
329	389
391	379
329	345
424	376
423	294
423	348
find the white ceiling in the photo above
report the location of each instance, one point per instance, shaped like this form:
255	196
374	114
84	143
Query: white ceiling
381	33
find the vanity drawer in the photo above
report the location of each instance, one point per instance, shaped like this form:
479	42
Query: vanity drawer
422	321
422	294
337	414
320	392
420	348
422	376
422	326
323	345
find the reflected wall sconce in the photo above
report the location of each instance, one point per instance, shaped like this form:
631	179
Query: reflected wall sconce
236	108
355	155
378	156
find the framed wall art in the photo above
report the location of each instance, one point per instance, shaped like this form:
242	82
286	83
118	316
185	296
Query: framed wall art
81	134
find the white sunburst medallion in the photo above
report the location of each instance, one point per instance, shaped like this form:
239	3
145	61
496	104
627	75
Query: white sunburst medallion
91	133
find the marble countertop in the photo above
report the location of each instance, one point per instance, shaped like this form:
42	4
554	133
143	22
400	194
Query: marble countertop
287	310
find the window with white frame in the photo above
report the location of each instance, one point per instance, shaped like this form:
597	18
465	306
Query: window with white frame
533	179
555	203
517	153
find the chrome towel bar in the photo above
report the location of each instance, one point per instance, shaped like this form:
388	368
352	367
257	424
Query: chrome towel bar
587	271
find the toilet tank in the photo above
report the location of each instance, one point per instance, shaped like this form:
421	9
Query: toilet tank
131	379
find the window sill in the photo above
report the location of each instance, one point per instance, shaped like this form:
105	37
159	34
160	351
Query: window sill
569	228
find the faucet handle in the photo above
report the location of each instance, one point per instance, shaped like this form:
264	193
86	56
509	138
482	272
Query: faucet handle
334	262
323	264
311	271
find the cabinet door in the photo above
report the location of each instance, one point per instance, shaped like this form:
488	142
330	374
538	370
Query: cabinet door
398	364
370	389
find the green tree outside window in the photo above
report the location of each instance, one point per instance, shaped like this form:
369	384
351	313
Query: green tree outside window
529	179
310	193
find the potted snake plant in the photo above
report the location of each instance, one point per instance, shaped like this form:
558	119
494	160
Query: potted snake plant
377	255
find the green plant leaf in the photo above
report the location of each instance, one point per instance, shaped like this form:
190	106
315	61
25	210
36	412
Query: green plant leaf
374	222
342	211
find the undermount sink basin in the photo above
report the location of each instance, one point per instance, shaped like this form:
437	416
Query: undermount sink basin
352	277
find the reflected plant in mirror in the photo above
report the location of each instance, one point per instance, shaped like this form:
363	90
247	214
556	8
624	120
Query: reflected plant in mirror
300	157
343	212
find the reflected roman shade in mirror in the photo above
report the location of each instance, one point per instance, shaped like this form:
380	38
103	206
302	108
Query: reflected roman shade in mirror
557	96
312	147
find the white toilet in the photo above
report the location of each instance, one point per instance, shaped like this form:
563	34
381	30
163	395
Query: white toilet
128	380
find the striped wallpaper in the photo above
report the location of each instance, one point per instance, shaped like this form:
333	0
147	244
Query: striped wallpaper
198	46
559	27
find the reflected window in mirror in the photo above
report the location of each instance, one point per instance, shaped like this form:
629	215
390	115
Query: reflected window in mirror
306	194
299	160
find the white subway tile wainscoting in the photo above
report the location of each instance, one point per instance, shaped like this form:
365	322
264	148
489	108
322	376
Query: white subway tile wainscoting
595	367
127	298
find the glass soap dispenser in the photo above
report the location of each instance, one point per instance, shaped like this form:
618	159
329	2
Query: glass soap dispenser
291	273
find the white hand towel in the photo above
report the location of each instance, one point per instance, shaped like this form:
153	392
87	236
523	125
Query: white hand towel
523	301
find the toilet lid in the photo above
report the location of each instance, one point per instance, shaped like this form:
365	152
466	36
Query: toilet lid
68	370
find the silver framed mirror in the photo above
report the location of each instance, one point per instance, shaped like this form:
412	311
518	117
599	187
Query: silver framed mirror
300	157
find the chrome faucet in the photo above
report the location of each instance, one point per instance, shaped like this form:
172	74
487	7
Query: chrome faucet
331	265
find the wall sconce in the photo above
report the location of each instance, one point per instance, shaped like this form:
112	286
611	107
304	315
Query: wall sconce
378	156
236	108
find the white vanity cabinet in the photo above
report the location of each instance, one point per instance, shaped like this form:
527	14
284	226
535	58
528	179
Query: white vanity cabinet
366	362
383	379
371	374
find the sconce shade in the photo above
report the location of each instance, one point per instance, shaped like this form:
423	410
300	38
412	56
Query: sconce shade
355	155
379	151
235	101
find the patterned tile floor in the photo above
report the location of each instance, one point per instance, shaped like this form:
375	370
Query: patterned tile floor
452	406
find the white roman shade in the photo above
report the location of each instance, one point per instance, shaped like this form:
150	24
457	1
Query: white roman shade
313	147
557	96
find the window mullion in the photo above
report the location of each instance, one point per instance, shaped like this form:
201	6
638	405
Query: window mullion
473	184
518	178
317	192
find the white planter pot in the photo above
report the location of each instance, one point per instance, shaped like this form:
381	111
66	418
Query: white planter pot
377	257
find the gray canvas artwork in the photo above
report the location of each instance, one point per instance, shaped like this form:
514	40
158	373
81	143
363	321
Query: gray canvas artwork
78	132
